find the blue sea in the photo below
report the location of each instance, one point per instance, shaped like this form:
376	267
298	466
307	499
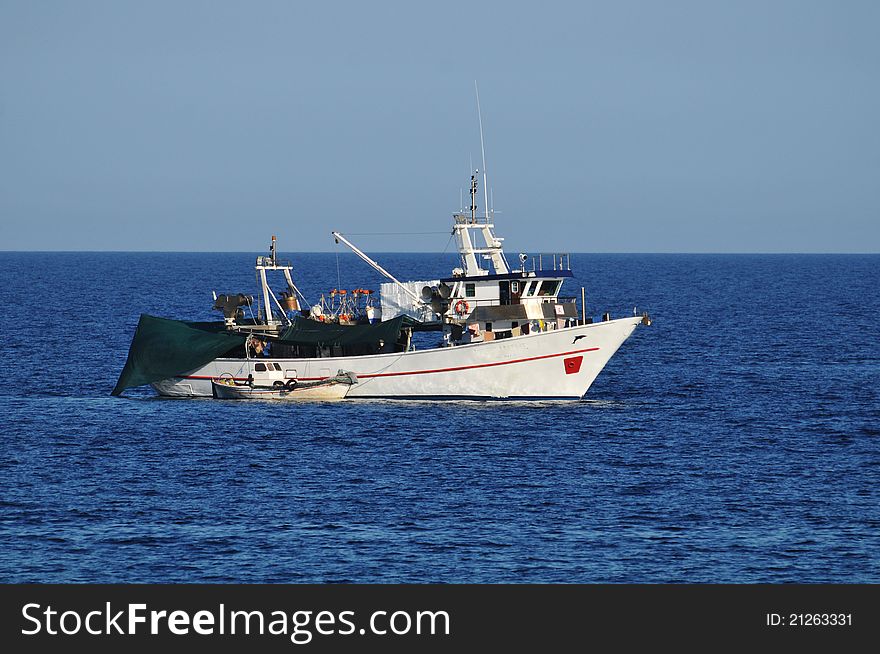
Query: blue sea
735	440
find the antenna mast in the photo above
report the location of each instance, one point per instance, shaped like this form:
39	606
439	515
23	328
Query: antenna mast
466	222
483	150
473	198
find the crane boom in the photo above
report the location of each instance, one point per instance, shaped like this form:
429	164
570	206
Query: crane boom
375	266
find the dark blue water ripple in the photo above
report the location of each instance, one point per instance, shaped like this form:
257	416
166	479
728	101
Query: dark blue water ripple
735	440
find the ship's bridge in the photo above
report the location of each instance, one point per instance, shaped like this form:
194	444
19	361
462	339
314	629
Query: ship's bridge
493	306
529	285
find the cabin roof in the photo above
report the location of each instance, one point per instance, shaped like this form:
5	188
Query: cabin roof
529	274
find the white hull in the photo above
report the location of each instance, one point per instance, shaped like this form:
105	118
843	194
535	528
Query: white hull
557	364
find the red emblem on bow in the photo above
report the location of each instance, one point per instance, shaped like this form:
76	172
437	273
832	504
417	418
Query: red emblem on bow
573	365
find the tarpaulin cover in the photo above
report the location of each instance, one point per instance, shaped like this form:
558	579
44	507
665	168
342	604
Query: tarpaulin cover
304	331
163	348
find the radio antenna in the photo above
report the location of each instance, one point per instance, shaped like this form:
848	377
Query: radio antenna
483	150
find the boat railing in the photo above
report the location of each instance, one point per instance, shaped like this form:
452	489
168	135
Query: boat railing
468	219
557	261
266	262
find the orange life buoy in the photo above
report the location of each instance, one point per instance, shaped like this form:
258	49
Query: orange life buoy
461	307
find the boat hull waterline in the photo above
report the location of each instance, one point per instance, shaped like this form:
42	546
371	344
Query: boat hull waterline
561	363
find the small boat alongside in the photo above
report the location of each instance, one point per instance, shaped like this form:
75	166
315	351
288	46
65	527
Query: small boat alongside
275	387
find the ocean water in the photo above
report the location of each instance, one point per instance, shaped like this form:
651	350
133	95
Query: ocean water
735	440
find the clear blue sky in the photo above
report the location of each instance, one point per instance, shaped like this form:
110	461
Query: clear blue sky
659	126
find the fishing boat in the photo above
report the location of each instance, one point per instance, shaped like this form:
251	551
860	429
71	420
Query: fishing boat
502	331
269	384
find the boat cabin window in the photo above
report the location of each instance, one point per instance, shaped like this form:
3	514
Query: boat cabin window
470	290
488	326
277	366
529	289
504	292
260	367
514	287
549	287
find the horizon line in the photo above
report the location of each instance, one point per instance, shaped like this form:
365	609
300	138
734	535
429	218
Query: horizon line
551	252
